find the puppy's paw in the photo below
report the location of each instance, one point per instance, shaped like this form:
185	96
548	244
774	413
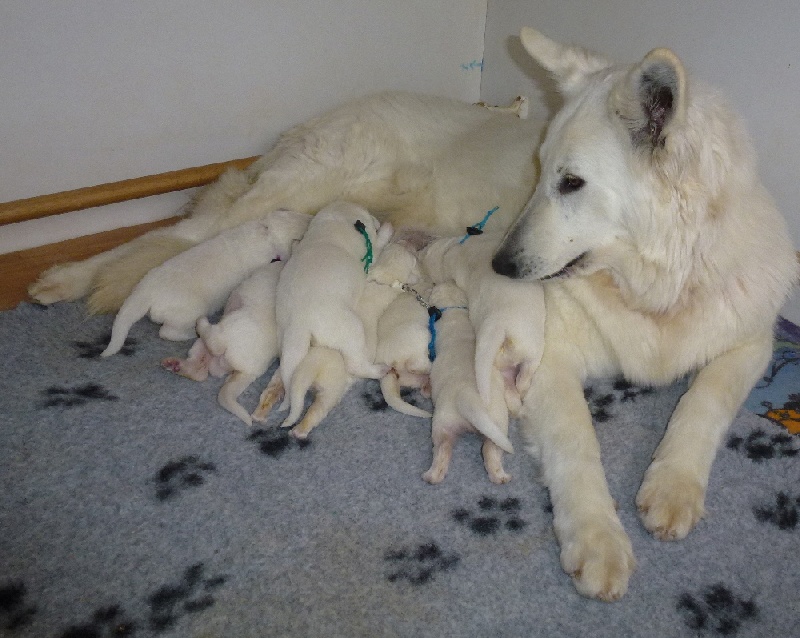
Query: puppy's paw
599	558
65	282
433	476
670	501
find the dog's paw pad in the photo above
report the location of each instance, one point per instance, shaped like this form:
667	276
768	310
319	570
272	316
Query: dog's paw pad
419	565
182	474
716	609
491	516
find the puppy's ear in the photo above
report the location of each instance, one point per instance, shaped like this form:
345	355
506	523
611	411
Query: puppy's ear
569	65
651	98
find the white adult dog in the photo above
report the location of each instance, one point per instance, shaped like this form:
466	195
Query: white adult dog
661	254
197	282
678	260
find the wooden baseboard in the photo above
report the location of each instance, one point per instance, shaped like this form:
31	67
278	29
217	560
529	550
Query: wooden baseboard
20	269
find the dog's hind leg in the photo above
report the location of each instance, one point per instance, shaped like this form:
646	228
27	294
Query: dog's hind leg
443	442
330	386
269	397
230	391
493	462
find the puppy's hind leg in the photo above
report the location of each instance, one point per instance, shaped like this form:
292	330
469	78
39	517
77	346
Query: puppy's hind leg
269	397
332	384
493	462
233	387
352	343
443	441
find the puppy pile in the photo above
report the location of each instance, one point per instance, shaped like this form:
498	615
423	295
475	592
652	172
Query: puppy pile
339	297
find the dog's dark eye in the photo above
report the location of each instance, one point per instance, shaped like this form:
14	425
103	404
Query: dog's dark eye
570	184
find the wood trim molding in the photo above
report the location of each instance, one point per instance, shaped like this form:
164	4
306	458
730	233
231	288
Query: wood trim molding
22	210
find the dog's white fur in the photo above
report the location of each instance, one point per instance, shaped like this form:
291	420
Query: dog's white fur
508	315
320	286
197	282
457	407
687	266
403	346
661	254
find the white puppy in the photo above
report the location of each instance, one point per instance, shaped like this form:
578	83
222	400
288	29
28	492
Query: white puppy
508	314
457	407
321	285
197	282
403	346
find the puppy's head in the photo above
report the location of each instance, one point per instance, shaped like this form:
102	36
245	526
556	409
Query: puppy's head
598	161
447	295
285	228
396	264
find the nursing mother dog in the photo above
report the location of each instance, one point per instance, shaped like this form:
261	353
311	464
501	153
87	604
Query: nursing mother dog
659	251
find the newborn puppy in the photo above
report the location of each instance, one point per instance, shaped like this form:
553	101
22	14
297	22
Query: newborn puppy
403	346
321	285
508	314
457	407
197	282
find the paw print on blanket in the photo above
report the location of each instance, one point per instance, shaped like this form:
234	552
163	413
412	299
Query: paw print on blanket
419	565
191	595
181	474
274	442
491	516
783	513
60	396
15	612
759	446
601	402
717	610
106	622
92	349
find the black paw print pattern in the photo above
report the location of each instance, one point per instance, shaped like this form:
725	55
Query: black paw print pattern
492	515
92	349
15	613
106	622
60	396
191	595
717	610
373	397
419	565
601	403
181	474
274	442
759	446
783	513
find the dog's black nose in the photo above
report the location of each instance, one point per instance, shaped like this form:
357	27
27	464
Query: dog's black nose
503	264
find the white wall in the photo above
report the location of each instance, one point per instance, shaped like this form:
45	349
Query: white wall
750	50
93	91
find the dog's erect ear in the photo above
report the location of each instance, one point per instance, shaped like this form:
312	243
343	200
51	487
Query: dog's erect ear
569	65
651	98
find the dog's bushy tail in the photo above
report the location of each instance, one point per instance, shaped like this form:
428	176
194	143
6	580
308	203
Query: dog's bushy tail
134	308
472	409
390	387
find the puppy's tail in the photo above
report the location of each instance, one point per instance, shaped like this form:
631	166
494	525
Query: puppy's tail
132	310
390	387
324	370
471	409
488	342
229	393
211	336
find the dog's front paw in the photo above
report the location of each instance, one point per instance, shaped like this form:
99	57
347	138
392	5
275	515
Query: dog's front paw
599	557
65	282
670	501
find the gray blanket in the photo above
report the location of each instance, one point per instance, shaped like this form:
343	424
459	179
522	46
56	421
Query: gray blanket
131	504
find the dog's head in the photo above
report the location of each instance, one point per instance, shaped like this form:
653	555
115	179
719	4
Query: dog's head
599	161
396	264
285	228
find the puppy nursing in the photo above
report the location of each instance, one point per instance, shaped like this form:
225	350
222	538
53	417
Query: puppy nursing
457	406
197	282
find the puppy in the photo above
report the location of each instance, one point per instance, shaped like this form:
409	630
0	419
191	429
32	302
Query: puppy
321	285
403	346
196	282
508	315
457	407
246	339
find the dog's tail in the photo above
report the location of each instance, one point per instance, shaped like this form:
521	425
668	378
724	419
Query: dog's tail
134	308
324	370
471	408
488	342
229	393
390	387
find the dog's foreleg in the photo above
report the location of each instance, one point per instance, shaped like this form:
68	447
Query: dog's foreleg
228	395
557	424
672	495
269	397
